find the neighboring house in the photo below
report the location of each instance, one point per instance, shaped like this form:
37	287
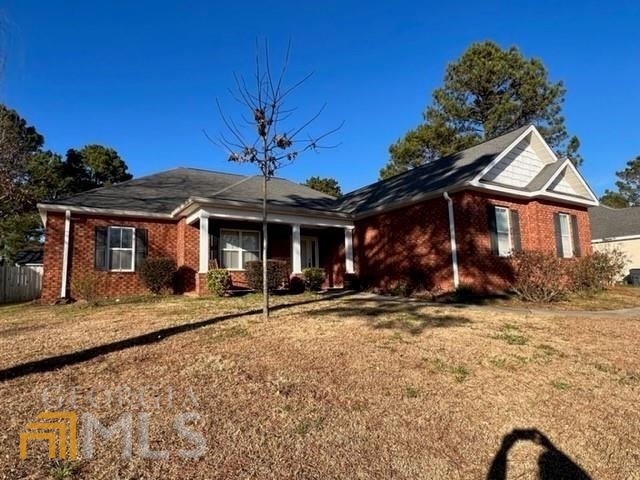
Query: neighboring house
617	228
451	222
29	258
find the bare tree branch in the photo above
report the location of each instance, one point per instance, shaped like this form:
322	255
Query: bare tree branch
274	146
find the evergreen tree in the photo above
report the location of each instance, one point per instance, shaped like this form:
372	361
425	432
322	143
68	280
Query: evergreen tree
486	93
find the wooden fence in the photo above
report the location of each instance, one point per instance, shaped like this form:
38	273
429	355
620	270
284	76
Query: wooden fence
20	284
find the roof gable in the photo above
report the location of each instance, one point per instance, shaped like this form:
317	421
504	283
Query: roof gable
521	163
428	179
567	181
528	167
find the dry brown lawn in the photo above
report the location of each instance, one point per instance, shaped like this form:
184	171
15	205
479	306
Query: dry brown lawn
332	388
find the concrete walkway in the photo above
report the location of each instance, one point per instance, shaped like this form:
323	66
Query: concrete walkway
630	313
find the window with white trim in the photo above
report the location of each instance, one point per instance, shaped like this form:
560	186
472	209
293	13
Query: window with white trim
566	237
237	247
503	231
121	247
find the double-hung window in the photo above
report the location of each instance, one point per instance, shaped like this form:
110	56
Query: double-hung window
121	247
503	232
239	247
567	239
504	228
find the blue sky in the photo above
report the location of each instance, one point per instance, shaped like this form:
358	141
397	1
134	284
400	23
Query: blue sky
142	76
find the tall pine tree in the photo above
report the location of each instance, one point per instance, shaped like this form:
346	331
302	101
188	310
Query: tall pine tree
486	93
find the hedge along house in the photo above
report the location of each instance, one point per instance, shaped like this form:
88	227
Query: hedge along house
450	222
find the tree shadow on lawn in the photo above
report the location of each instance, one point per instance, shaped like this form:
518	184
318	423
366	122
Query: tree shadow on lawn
59	361
408	316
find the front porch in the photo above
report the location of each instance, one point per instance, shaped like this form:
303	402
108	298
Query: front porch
229	238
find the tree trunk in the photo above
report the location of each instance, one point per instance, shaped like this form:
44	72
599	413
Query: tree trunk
265	285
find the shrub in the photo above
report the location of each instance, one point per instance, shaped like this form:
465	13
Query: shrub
277	274
218	281
400	289
88	286
313	278
296	285
157	273
594	273
540	276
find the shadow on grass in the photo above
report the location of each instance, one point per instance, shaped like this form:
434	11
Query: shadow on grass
553	464
59	361
397	315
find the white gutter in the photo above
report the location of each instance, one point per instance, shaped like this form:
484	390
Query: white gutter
454	246
50	207
65	254
615	239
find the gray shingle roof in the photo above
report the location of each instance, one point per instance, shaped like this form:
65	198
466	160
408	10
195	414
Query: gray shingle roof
165	191
446	172
31	257
609	222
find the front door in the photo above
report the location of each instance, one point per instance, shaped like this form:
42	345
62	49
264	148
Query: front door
309	252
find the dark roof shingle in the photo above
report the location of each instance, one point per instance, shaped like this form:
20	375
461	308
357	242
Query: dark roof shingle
609	222
446	172
165	191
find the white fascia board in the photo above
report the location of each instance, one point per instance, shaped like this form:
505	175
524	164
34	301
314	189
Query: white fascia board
272	217
43	217
568	164
615	239
536	194
45	207
504	153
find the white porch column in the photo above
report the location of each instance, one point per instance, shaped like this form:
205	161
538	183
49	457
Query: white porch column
204	241
296	256
348	249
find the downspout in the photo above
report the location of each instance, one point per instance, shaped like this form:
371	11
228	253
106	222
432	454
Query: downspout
452	235
65	254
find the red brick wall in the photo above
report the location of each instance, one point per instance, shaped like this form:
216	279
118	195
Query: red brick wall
412	244
162	242
409	244
52	259
481	269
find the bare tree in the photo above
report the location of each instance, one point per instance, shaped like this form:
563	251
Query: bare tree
264	135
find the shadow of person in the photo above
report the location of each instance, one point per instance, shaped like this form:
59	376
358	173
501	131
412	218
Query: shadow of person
553	464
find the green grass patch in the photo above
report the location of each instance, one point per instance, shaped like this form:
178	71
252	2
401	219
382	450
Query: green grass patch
411	392
512	335
460	373
560	385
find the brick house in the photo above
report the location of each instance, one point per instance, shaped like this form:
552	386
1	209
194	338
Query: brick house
450	222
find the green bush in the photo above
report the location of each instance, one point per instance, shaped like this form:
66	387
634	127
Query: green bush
540	276
595	272
218	281
313	278
277	274
157	273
